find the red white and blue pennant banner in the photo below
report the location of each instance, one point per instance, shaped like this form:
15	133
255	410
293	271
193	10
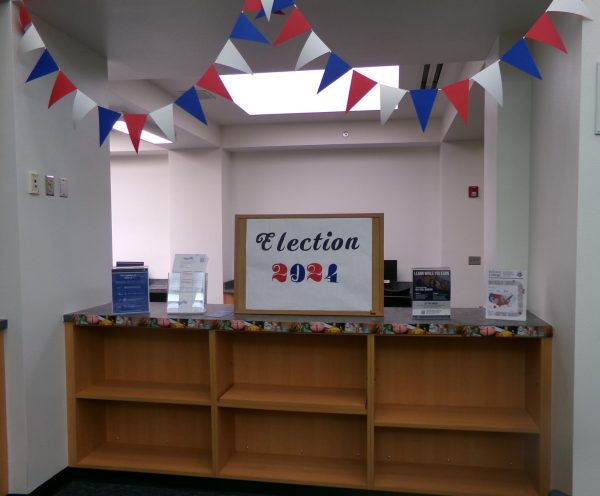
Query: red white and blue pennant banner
296	24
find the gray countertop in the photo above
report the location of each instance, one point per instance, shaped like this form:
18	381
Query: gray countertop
460	316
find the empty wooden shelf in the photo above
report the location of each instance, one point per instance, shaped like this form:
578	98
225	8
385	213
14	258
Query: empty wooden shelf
144	437
147	392
295	398
294	447
456	418
452	480
366	408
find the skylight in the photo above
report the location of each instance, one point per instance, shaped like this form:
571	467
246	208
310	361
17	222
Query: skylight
295	92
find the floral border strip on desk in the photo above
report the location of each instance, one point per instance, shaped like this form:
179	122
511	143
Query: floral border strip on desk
392	329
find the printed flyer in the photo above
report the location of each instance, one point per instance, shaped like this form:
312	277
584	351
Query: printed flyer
431	292
506	295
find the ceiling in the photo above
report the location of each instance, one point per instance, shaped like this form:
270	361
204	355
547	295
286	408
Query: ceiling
170	43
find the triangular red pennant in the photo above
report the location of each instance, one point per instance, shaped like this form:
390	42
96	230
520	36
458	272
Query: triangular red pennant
62	87
545	31
458	94
252	6
24	18
211	81
359	87
135	125
295	25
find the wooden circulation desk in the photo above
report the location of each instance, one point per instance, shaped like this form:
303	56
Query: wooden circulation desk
358	403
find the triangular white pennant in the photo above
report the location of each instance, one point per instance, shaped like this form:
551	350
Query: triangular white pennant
389	98
490	79
268	7
163	117
31	40
576	7
313	48
231	57
82	106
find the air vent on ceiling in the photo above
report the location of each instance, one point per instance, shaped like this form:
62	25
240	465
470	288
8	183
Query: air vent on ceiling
432	83
202	94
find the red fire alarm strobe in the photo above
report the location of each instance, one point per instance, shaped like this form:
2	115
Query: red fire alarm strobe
473	191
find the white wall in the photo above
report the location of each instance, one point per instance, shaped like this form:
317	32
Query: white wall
402	183
461	166
170	203
553	234
507	162
586	437
228	218
10	280
64	248
196	210
140	196
416	188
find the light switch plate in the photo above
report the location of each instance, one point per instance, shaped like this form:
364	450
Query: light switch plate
33	183
597	127
63	185
49	185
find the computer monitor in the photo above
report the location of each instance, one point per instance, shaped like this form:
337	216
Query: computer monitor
390	271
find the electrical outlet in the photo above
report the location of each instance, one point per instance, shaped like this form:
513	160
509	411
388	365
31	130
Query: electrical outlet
49	185
33	183
63	185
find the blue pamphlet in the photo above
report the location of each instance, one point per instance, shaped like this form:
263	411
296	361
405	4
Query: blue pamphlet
130	290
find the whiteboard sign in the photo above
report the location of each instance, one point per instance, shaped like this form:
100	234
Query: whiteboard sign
323	264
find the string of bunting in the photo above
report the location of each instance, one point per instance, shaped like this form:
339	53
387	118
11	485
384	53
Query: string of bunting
296	24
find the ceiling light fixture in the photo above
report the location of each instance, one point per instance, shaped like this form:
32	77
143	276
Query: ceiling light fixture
295	92
155	139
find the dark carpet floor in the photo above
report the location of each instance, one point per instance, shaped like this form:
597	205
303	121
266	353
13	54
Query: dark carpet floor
96	488
75	482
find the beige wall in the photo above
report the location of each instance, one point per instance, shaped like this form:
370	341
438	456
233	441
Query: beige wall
402	183
462	220
140	197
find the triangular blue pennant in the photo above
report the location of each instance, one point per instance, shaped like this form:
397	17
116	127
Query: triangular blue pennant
45	65
190	102
277	6
520	57
245	30
106	120
423	101
334	70
282	4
